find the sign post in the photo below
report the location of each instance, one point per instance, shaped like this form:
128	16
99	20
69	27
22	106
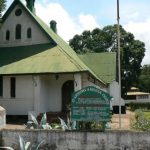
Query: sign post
91	104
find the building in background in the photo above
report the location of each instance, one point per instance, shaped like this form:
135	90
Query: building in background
136	96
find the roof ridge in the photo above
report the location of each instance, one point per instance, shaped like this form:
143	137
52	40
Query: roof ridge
100	53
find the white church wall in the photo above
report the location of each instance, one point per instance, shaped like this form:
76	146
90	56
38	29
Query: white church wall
6	87
114	91
51	91
38	37
44	93
24	87
23	101
77	81
86	82
47	95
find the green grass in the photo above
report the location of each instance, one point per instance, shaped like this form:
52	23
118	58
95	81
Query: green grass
147	114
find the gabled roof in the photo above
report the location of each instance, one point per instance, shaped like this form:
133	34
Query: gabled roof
102	64
58	57
41	58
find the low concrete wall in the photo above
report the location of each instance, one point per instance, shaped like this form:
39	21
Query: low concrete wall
59	140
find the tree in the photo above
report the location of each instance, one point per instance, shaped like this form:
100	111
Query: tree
144	79
105	40
2	6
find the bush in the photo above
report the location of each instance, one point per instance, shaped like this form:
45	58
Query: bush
134	106
33	124
141	122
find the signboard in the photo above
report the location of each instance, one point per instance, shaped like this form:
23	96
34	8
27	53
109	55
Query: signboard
91	104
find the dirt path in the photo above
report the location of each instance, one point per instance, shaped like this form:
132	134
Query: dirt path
13	126
126	120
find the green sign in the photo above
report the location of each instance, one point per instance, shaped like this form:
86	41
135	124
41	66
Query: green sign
91	104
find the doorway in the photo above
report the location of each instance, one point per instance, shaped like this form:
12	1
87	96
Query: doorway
67	90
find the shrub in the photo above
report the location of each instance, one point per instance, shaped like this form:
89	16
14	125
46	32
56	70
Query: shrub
134	106
65	126
43	124
33	124
141	122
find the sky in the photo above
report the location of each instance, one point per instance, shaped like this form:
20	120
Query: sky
75	16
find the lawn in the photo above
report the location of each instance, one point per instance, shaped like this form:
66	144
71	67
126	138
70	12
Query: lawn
147	114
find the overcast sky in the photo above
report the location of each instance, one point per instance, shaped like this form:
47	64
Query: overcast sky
75	16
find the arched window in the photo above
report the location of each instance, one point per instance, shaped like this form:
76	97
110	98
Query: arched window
7	35
29	33
18	31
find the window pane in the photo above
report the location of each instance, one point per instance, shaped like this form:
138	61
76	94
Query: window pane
1	86
7	35
29	34
13	87
18	31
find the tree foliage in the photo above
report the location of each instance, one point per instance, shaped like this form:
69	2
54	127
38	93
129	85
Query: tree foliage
144	79
105	40
2	6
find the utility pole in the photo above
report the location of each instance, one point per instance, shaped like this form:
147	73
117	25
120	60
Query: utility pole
119	68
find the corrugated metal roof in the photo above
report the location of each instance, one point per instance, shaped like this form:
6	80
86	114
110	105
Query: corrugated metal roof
102	64
137	93
36	59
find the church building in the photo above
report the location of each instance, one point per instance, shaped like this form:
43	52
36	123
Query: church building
39	71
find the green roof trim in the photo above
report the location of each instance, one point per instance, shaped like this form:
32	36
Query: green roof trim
102	64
